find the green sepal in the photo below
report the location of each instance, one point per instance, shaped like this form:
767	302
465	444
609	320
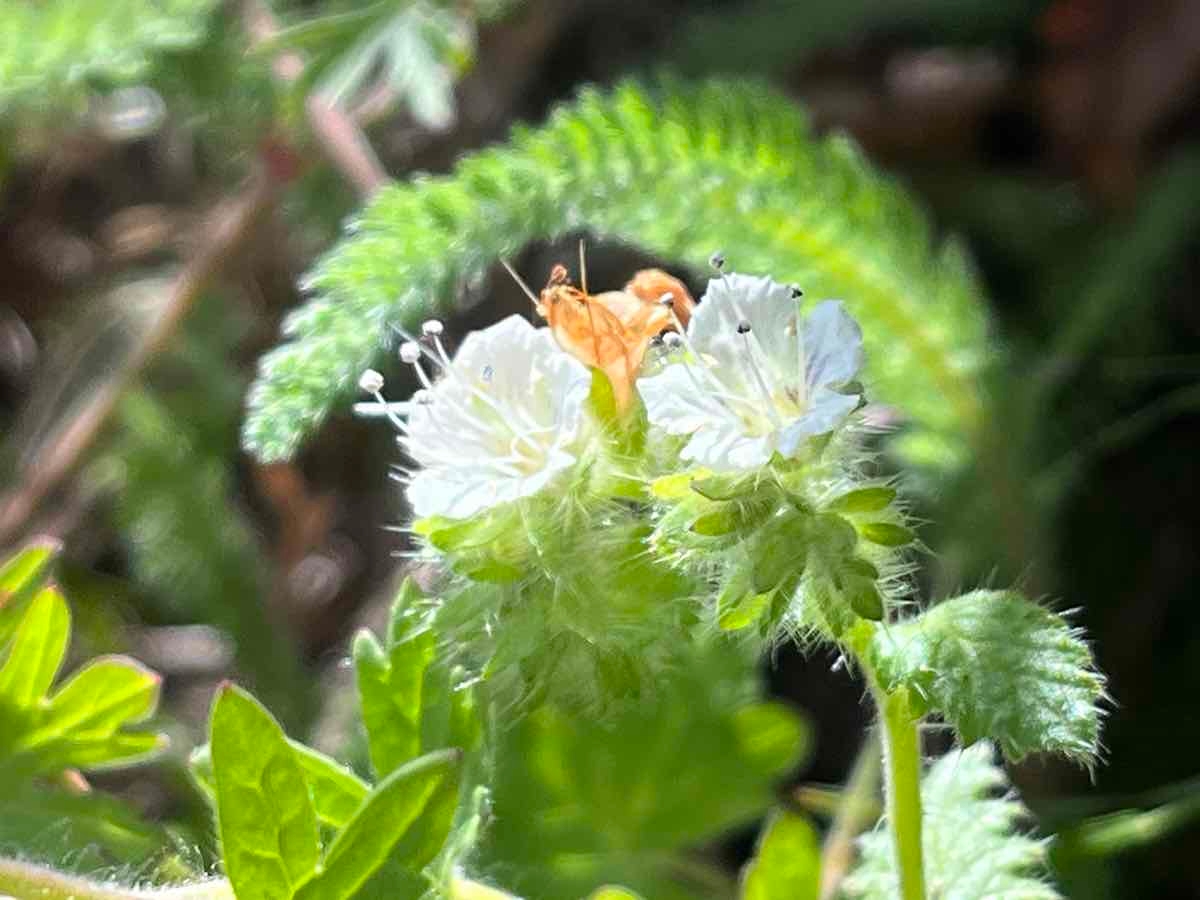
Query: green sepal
726	486
739	605
626	428
677	486
863	500
489	571
780	553
456	535
856	565
886	534
730	517
864	598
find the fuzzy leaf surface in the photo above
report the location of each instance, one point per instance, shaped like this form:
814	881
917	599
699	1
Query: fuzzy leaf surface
999	666
974	846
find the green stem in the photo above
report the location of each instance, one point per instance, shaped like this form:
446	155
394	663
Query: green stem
28	881
902	758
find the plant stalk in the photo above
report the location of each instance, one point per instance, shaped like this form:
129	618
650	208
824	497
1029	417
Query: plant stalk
29	881
902	780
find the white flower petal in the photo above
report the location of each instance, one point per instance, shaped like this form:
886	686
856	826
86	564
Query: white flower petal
743	393
674	404
765	304
825	412
499	425
833	350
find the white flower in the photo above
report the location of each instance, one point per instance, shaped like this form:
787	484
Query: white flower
503	420
755	379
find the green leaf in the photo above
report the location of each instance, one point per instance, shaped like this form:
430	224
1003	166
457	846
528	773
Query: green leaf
265	815
94	831
410	704
26	569
771	736
389	685
581	800
886	534
85	723
678	170
732	516
35	654
738	607
403	818
999	666
787	862
780	554
973	848
56	51
863	500
337	792
414	51
21	575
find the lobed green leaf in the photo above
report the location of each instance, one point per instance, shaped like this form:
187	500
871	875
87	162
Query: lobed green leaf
999	666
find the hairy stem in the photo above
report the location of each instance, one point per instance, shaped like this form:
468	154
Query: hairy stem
902	781
28	881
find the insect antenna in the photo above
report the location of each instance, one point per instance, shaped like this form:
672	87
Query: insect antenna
521	284
582	266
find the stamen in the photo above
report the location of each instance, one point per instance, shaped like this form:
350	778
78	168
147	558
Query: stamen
796	292
751	344
372	383
717	261
450	372
715	387
432	328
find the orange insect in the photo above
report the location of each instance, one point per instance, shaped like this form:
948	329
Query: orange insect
611	331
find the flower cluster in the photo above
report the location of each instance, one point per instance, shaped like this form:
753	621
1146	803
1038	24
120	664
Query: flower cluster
740	491
749	378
